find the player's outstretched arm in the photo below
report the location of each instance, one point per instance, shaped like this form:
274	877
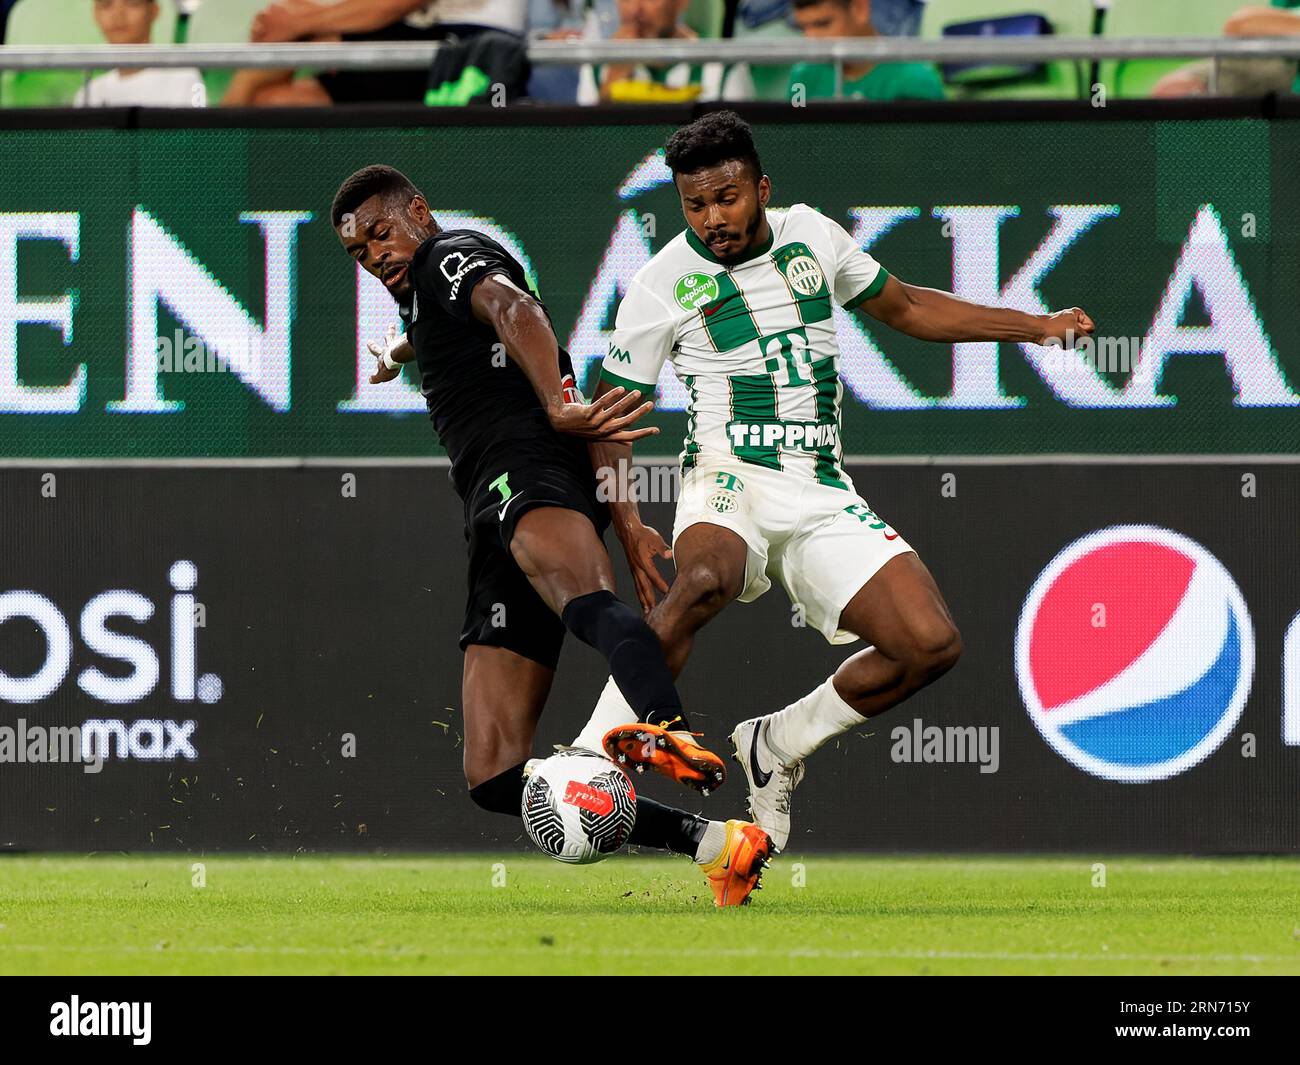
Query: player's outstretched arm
525	331
929	314
292	20
642	544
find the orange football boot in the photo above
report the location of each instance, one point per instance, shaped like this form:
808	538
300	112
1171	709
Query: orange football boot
674	754
736	871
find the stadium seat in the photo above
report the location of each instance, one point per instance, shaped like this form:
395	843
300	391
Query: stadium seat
1069	18
44	22
1061	81
1158	18
222	22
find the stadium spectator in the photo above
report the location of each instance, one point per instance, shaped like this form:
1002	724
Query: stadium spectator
893	18
558	20
897	18
864	81
649	20
131	22
1243	77
554	20
362	20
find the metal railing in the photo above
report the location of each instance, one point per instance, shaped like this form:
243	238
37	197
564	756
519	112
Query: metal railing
408	55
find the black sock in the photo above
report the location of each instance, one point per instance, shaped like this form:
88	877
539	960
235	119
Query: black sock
503	794
636	660
668	829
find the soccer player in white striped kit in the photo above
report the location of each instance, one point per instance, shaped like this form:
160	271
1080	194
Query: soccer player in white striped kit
741	304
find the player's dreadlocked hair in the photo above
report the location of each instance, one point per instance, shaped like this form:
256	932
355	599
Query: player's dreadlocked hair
371	181
717	137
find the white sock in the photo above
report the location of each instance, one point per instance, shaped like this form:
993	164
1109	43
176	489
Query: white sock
611	710
803	726
710	848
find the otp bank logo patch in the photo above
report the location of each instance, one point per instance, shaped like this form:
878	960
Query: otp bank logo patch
1135	653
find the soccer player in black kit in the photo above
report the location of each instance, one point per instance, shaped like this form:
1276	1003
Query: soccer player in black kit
498	387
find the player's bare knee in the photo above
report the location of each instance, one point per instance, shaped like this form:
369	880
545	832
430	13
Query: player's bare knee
935	648
704	587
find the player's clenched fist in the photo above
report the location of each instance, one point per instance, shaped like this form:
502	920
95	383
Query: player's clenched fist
1066	327
605	418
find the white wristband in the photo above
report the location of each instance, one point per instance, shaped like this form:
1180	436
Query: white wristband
388	360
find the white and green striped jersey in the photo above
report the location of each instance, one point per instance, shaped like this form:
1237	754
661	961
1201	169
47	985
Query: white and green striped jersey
753	341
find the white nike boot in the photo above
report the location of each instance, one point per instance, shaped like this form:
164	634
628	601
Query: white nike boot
771	780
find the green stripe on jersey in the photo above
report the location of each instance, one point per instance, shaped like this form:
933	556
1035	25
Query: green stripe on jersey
827	381
753	400
692	448
870	292
727	319
626	382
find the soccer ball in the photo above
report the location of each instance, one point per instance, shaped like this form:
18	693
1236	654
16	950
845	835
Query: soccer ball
578	806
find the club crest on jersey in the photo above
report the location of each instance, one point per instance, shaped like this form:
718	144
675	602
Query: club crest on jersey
455	266
694	290
724	500
804	275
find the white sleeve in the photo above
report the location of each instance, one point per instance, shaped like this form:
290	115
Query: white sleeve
858	276
644	332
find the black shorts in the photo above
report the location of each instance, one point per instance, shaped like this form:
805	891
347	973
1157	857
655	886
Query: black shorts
387	86
503	610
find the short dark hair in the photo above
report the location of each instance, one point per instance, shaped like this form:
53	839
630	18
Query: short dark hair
377	180
814	3
717	137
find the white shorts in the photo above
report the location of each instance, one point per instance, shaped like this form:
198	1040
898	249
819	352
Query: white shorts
823	543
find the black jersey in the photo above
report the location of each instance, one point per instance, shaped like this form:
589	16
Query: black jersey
481	403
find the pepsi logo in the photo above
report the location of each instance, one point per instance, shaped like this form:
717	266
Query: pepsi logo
1135	653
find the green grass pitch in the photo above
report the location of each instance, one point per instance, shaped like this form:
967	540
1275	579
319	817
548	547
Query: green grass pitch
818	914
